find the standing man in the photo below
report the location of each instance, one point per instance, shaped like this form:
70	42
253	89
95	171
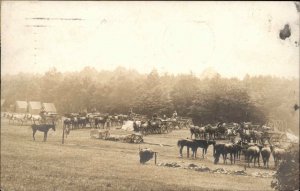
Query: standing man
174	114
43	115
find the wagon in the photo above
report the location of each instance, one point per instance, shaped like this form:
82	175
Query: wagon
50	118
184	122
274	136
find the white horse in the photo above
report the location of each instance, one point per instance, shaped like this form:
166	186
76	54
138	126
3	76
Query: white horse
19	117
34	118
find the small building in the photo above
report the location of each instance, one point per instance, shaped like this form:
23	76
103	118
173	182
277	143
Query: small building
34	107
49	107
21	107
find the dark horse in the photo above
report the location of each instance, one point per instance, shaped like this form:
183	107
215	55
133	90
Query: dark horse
197	131
100	120
233	149
204	145
42	127
194	144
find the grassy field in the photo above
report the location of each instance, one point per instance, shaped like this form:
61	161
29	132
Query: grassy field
83	163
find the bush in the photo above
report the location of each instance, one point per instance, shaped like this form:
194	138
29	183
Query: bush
287	175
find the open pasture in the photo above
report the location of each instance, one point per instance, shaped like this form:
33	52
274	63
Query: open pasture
83	163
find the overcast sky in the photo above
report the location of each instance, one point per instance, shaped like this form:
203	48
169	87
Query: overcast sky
233	38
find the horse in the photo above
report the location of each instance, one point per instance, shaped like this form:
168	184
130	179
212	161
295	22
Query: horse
74	122
67	123
253	152
137	126
230	133
10	117
239	146
219	149
122	119
266	153
230	148
101	121
211	130
223	149
244	134
144	127
256	136
43	128
278	154
204	144
115	120
19	117
197	131
221	129
155	125
34	118
194	144
188	143
165	126
82	121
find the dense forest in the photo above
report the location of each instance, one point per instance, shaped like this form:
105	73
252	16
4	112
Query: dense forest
206	99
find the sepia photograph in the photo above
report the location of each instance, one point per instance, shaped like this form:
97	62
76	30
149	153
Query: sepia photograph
149	95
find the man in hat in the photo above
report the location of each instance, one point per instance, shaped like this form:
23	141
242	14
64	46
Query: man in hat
174	114
43	114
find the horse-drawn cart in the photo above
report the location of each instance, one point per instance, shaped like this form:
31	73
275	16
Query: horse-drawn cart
50	118
184	122
274	136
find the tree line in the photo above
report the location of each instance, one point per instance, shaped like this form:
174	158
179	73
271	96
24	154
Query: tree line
206	100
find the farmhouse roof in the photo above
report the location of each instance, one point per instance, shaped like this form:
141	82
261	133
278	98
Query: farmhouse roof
49	107
21	104
35	104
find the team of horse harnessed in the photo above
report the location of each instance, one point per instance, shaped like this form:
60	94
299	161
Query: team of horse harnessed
25	118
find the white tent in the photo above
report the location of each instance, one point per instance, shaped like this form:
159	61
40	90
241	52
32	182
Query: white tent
128	126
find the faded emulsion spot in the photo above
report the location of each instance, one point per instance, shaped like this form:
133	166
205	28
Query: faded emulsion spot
103	21
296	107
285	32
